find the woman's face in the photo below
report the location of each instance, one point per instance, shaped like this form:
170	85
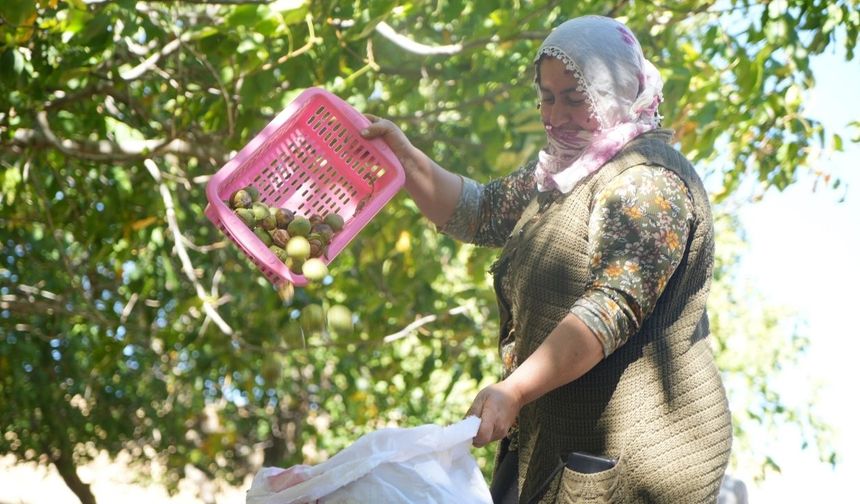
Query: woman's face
562	108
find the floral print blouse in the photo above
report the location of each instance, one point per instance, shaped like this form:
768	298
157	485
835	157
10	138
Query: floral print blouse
638	231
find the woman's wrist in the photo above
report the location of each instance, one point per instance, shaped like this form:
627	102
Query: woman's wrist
417	166
514	388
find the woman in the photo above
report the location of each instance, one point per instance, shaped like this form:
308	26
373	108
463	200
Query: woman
605	268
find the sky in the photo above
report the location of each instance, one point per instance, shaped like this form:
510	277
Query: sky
804	253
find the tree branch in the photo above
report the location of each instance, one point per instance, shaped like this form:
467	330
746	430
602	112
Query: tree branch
228	103
312	39
208	306
104	150
410	45
408	330
150	62
75	279
414	326
129	306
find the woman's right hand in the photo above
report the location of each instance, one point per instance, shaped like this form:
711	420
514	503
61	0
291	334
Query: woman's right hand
435	190
394	137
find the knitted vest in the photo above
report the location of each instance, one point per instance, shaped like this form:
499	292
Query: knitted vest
657	403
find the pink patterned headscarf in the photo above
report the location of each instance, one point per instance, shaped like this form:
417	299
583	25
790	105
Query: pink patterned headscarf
622	90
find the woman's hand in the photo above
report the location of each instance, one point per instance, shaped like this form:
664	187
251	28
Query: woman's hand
394	137
570	351
435	190
497	406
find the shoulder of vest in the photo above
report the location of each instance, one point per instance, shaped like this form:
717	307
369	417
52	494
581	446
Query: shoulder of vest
650	148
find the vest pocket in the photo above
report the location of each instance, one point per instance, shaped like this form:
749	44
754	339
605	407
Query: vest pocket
594	488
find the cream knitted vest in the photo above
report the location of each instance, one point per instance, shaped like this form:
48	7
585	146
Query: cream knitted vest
657	403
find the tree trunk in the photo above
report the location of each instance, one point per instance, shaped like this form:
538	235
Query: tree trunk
285	441
66	467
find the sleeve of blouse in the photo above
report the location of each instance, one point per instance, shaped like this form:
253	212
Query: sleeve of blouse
638	231
486	213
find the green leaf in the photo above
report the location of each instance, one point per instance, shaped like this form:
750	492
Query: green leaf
120	175
95	31
76	20
291	11
203	32
11	179
11	66
244	16
17	12
837	143
268	27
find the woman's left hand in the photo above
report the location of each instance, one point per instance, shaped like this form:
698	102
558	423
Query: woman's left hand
497	406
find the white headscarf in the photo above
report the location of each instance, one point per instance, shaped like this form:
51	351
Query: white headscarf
622	90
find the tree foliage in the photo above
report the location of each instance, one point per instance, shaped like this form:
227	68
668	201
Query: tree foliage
128	323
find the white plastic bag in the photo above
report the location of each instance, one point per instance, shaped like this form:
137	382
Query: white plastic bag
426	464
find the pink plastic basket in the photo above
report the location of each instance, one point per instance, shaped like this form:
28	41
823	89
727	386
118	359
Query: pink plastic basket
309	159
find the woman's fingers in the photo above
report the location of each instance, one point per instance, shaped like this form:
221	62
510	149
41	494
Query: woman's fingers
497	408
485	433
377	128
391	134
488	420
371	131
489	431
476	407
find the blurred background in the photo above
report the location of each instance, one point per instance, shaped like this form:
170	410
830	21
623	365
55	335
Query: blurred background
143	355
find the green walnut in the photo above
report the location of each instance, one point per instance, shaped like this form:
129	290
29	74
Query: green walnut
325	232
280	237
339	319
240	199
314	269
317	245
268	223
283	217
295	264
298	248
335	221
263	236
246	215
261	211
280	253
253	192
300	226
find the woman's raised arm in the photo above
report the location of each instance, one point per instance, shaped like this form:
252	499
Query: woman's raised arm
434	189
